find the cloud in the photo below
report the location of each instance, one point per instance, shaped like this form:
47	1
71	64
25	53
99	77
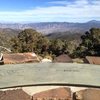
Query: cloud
77	11
70	2
59	2
95	2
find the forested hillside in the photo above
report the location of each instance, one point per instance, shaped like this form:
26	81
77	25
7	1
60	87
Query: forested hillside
29	40
64	35
6	35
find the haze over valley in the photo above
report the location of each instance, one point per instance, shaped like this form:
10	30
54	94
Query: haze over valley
54	27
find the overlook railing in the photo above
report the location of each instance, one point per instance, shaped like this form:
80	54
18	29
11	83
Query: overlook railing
40	74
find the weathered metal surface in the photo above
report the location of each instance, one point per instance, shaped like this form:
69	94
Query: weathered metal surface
49	73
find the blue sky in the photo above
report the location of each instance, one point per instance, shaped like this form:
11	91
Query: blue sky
49	10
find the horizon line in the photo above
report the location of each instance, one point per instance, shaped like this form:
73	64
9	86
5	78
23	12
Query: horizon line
25	22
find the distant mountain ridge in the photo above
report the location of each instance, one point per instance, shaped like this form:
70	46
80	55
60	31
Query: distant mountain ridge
52	27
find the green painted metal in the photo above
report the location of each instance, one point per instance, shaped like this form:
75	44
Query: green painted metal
49	74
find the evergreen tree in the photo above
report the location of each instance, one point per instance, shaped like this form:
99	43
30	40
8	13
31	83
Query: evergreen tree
90	45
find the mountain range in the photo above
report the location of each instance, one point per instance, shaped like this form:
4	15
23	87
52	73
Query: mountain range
54	27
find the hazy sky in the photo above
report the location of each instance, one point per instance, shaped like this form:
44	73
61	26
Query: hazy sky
49	10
